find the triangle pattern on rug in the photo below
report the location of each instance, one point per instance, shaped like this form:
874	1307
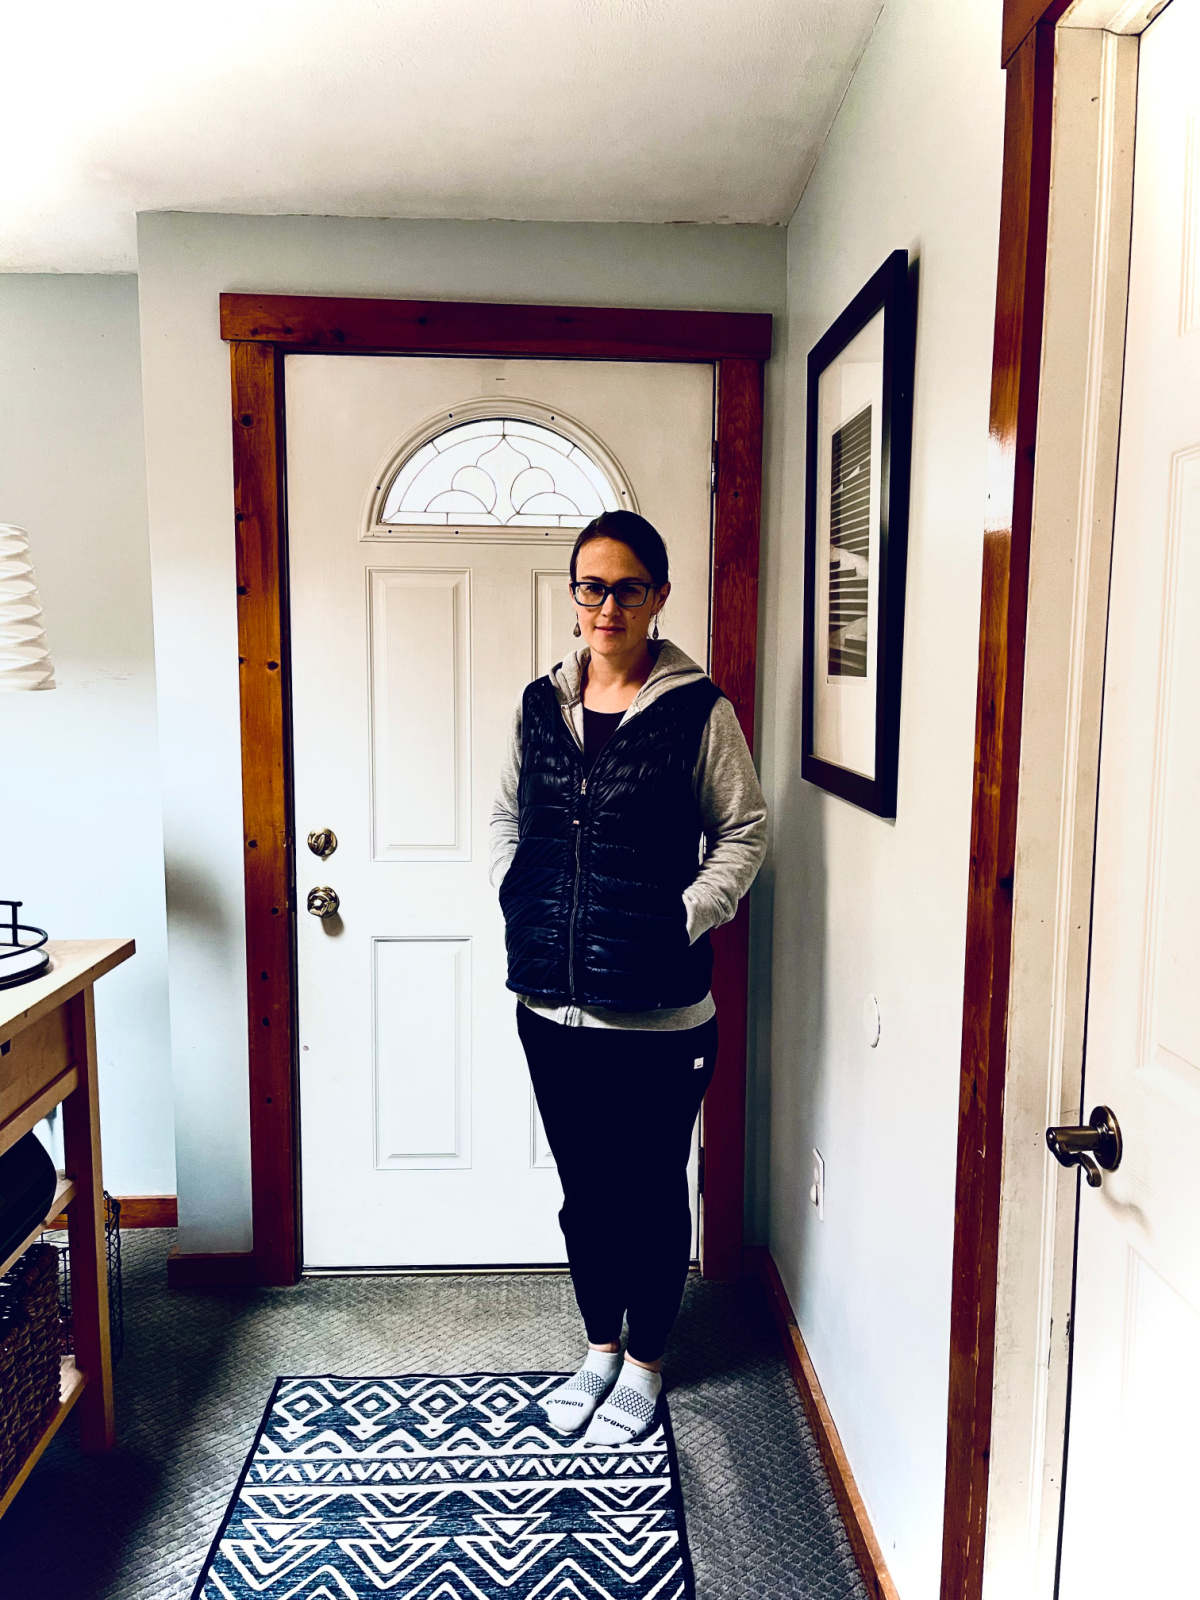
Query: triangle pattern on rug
396	1529
393	1560
631	1559
513	1501
439	1487
626	1496
628	1524
262	1561
569	1581
398	1502
325	1584
508	1560
447	1583
507	1528
288	1503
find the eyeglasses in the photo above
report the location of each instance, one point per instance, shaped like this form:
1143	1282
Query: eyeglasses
629	593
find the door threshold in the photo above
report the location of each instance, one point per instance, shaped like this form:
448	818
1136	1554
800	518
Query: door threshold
444	1271
544	1269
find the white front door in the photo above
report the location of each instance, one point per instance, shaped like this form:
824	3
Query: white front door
1132	1485
428	552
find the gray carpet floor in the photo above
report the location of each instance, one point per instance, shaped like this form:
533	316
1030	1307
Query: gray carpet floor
198	1368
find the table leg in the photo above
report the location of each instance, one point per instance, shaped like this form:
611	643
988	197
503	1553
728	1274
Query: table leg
85	1232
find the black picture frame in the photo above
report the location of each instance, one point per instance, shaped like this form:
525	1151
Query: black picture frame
889	290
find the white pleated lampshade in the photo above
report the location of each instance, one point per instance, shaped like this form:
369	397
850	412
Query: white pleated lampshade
24	659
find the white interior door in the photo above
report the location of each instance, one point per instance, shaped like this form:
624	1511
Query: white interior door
413	633
1133	1466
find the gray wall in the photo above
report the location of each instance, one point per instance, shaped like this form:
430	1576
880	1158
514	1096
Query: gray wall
862	906
185	261
80	819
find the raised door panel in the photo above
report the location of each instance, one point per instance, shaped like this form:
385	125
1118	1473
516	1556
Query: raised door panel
422	1050
1158	1404
420	713
1170	1023
553	618
1189	299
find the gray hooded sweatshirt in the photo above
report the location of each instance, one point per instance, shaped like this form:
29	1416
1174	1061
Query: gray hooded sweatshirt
731	804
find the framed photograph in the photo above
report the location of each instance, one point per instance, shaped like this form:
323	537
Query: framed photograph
859	452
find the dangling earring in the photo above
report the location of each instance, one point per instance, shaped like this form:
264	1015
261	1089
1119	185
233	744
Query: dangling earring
577	629
654	635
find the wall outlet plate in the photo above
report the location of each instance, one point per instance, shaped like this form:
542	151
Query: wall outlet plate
817	1193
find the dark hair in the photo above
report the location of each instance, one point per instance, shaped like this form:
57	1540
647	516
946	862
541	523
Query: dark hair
627	528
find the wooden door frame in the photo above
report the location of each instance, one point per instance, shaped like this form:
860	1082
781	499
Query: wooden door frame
1019	389
1016	351
260	331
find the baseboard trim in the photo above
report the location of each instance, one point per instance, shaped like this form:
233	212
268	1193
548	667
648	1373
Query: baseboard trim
866	1547
149	1210
233	1269
141	1211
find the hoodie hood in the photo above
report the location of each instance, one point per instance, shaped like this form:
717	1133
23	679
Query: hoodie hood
671	670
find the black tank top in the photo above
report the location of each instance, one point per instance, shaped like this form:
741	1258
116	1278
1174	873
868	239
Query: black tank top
598	729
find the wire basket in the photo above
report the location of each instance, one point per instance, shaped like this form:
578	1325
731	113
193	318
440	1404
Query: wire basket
116	1297
29	1355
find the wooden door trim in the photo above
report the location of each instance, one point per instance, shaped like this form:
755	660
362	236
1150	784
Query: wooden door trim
1029	27
260	330
1021	17
260	537
737	514
329	325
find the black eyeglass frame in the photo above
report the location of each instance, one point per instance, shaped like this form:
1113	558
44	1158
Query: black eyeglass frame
609	589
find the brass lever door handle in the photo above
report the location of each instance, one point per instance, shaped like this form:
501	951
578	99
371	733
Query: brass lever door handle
1094	1145
323	902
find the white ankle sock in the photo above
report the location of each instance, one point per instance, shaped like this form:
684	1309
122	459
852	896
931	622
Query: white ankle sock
629	1409
572	1403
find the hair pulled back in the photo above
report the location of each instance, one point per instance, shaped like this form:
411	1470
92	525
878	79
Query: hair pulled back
627	528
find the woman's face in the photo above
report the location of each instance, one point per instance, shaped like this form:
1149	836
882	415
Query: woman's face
612	630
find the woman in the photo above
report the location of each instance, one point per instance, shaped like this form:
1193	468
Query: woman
621	760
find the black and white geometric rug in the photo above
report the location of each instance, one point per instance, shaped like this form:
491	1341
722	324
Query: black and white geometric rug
429	1487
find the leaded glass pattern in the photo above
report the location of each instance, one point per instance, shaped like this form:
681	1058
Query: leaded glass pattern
500	472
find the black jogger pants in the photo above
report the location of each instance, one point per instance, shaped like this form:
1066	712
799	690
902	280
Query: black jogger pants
618	1106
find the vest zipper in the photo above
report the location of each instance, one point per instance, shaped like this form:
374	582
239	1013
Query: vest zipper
575	898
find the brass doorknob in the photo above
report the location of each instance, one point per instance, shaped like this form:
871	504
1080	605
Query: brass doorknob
323	842
323	902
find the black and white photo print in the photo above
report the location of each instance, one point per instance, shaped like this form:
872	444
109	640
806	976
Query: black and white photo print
859	444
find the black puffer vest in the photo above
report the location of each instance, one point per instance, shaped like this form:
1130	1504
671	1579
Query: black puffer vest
593	900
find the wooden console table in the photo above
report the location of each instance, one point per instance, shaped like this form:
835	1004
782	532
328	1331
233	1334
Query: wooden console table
48	1058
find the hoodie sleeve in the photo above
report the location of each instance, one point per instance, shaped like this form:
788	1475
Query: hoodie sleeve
735	823
504	830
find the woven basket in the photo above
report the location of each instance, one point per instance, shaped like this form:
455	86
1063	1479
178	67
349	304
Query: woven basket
29	1355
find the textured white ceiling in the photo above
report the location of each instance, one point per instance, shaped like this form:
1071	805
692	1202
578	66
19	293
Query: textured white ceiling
582	110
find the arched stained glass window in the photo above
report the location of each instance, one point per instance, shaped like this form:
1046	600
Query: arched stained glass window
500	472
